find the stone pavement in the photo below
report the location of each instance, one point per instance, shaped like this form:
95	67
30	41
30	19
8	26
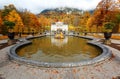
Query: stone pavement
108	69
3	41
115	41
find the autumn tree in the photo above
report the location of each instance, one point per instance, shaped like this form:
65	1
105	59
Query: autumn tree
83	21
15	17
30	21
44	22
105	12
98	19
10	13
76	21
90	24
34	23
7	9
25	17
117	22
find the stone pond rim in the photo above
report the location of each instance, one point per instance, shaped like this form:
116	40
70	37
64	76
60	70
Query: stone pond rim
106	54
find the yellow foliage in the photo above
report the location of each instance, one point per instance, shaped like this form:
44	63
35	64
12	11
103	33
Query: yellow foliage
15	17
43	21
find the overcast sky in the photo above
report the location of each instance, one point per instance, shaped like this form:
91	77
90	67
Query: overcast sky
36	6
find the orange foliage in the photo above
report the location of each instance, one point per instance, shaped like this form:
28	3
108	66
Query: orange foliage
105	11
43	21
30	21
34	23
0	21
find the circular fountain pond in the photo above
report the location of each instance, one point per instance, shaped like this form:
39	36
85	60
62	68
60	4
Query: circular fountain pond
50	52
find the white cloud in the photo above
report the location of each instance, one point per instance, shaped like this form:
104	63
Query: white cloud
36	6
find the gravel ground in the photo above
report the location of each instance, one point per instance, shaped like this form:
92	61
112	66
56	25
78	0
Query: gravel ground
108	69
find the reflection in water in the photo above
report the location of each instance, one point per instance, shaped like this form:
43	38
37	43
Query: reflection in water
59	42
48	49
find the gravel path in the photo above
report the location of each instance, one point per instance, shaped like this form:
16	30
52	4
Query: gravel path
108	69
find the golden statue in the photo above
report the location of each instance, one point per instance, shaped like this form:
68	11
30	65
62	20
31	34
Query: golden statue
59	35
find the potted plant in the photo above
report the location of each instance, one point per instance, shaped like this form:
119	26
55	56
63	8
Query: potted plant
108	26
10	26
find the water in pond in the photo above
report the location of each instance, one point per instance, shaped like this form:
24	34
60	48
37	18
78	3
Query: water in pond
49	49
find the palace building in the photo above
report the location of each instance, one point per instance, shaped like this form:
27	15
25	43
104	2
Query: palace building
59	26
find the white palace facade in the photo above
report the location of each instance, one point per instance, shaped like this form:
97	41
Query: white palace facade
59	26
